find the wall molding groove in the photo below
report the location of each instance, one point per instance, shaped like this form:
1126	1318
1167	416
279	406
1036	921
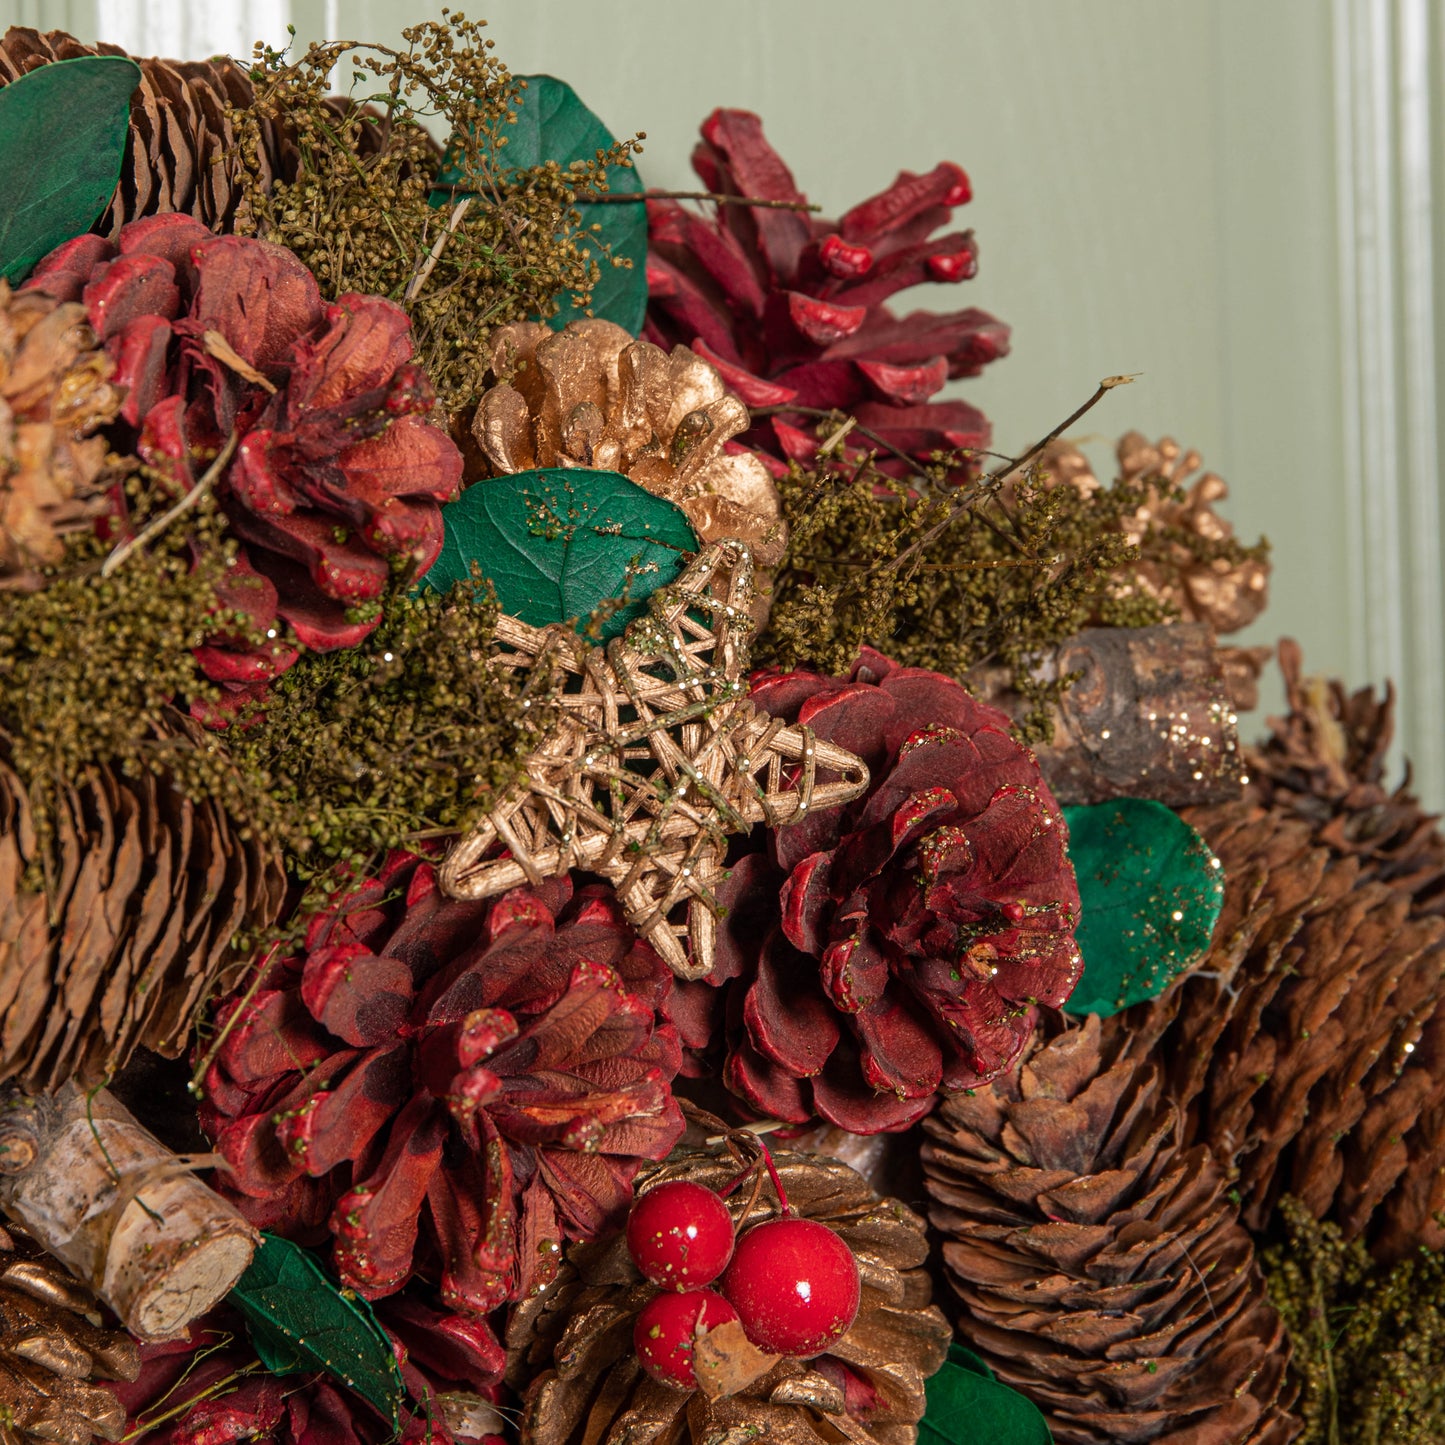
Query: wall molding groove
1385	77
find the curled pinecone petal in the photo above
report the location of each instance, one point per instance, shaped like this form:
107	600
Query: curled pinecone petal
791	308
1191	559
592	396
1099	1265
479	1078
882	951
184	152
307	417
152	889
53	1350
570	1353
56	393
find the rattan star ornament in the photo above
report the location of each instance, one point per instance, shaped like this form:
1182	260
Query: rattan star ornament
655	757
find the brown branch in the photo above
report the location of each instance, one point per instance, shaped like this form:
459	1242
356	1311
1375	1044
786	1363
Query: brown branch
610	198
823	414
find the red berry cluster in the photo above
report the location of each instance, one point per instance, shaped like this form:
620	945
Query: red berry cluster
791	1283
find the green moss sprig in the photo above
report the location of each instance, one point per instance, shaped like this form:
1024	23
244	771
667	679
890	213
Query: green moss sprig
949	577
1369	1340
359	214
409	736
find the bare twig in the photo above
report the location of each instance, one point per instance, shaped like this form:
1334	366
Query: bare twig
613	198
440	245
192	498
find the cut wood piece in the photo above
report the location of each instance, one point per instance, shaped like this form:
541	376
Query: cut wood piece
1149	715
120	1210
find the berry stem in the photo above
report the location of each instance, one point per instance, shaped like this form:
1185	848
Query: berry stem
773	1175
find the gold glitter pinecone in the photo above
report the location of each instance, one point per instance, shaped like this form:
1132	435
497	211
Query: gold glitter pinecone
55	391
1099	1265
1191	558
53	1348
591	396
570	1352
184	153
116	928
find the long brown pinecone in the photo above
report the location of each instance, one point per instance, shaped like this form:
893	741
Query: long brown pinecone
1304	1048
131	930
1325	762
55	391
570	1352
183	153
53	1348
1100	1266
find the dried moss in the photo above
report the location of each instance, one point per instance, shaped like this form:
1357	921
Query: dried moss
89	663
358	212
947	577
409	736
1369	1341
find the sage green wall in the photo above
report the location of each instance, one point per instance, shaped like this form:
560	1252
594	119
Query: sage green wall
1154	192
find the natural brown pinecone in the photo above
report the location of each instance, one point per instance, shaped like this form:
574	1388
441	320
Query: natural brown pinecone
53	1347
592	396
130	929
570	1352
1325	762
1191	558
183	153
1308	1048
55	391
1100	1267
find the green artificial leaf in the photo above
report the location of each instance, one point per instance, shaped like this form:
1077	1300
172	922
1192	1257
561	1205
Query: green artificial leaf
559	543
554	125
300	1319
966	1404
63	129
1151	891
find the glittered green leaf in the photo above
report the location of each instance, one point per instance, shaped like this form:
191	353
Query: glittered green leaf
300	1319
1151	892
554	125
559	543
63	130
968	1406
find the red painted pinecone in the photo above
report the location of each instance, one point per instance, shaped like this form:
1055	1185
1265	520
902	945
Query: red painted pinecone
879	952
449	1365
335	475
483	1077
790	308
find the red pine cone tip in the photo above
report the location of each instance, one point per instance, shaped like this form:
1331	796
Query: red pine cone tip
226	349
790	307
900	945
451	1085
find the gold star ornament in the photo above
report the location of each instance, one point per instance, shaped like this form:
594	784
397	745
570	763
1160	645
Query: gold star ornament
656	755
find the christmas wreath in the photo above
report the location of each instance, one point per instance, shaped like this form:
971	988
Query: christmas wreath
581	864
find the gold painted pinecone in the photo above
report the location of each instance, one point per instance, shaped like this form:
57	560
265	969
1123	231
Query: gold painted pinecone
183	153
1179	536
53	1347
1099	1265
148	890
570	1352
55	391
591	396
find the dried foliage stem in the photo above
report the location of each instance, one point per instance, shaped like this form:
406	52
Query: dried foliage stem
716	197
194	497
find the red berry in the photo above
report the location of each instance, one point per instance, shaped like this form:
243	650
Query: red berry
680	1235
669	1326
795	1286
